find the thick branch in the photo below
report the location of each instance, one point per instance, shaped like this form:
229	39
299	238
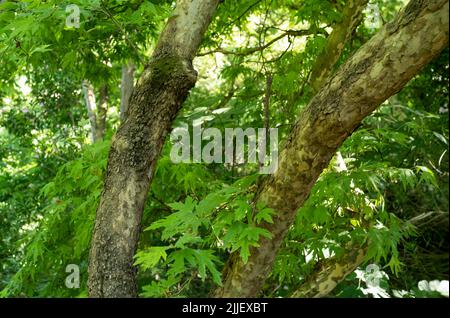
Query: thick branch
378	70
330	273
351	17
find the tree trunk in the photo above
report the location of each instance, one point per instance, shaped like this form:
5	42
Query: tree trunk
97	115
91	106
154	103
126	87
378	70
342	31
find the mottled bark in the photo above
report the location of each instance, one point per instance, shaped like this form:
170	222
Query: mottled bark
126	87
342	31
378	70
329	273
327	59
154	103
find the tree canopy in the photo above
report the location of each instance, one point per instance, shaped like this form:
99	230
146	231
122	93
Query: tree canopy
93	92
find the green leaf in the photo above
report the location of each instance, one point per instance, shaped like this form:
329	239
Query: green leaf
40	49
265	215
441	138
76	170
184	221
201	259
187	206
187	239
151	256
209	203
242	209
205	259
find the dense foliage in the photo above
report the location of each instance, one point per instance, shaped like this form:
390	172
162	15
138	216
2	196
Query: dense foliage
386	191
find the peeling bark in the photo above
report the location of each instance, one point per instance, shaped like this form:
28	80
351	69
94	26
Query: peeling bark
153	105
378	70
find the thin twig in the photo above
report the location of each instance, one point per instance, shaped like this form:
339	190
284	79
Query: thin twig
127	38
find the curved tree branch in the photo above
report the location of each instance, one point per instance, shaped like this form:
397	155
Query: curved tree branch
378	70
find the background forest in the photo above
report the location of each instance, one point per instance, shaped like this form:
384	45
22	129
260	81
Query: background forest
383	200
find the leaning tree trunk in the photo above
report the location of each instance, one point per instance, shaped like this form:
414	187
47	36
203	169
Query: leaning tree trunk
154	103
97	115
378	70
